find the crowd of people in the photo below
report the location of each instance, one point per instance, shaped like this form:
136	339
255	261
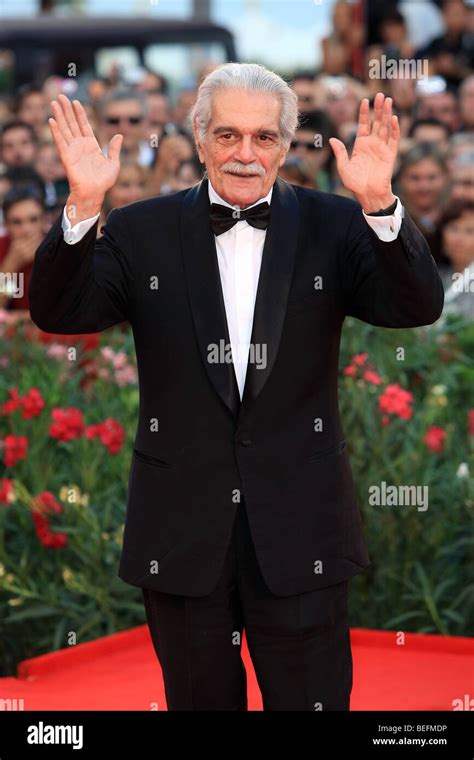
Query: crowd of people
434	177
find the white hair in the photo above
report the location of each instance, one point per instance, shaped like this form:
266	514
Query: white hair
252	77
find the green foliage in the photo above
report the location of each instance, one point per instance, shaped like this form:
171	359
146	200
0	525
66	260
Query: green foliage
422	576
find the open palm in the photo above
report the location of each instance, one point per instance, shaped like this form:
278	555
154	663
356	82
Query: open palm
368	173
90	174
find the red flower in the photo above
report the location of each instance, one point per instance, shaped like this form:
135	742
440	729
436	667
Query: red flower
112	435
6	491
48	538
395	400
13	402
69	424
434	438
55	540
92	431
470	422
41	525
110	432
370	376
32	404
15	448
45	504
359	362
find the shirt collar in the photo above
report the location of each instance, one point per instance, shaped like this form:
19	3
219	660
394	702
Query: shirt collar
215	198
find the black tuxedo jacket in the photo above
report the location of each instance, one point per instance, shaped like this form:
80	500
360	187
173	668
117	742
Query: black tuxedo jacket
156	266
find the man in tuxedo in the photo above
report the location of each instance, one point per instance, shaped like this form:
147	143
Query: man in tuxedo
241	510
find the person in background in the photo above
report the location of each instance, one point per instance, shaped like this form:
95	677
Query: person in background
403	92
339	98
181	114
436	101
50	169
451	54
151	82
159	115
457	229
18	144
430	131
394	35
311	144
6	107
297	171
96	90
125	111
188	173
303	85
461	142
392	44
422	182
173	149
23	211
466	103
31	108
131	185
462	177
346	36
17	178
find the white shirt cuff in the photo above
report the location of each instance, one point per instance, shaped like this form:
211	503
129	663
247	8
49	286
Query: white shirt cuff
387	227
74	234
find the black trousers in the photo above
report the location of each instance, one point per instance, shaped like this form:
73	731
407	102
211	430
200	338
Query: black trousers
299	645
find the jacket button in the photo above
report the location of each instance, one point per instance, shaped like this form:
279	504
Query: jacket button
246	442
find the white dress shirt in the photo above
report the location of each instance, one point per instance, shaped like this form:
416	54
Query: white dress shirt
239	256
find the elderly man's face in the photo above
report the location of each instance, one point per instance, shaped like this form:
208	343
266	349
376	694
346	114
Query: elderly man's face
243	148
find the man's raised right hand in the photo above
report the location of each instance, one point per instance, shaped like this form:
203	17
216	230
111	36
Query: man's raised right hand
90	174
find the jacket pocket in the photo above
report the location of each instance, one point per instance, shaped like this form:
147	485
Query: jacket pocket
148	459
327	452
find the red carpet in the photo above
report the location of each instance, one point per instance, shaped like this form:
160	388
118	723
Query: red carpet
120	672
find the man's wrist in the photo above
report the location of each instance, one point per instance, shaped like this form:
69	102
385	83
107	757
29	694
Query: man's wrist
78	209
372	205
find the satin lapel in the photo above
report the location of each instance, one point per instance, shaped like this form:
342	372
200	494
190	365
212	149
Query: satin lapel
273	288
205	293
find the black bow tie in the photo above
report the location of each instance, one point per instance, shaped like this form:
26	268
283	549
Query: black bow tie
224	217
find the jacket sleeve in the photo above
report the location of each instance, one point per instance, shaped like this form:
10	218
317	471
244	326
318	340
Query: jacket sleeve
82	288
393	284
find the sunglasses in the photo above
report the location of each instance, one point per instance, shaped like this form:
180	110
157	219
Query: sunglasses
115	120
303	144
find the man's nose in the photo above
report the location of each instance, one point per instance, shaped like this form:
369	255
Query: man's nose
245	150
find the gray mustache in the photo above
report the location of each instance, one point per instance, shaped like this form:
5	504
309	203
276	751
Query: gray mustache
235	167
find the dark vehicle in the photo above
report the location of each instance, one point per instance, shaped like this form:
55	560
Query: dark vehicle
32	49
